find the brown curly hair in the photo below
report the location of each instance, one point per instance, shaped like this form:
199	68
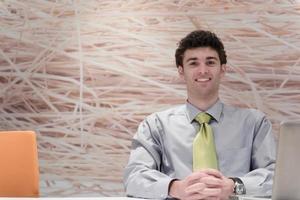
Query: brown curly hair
200	38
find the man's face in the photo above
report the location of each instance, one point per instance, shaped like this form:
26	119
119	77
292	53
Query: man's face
202	72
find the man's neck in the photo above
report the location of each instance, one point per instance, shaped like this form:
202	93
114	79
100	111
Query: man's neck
203	104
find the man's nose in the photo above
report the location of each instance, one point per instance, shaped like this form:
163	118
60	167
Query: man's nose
203	69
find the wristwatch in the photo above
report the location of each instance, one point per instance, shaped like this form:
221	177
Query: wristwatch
239	187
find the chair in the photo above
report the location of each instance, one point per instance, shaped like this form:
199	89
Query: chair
19	171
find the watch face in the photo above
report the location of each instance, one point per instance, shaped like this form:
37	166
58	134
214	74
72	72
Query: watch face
240	189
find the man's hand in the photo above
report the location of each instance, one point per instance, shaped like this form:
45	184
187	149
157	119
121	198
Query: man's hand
204	184
227	188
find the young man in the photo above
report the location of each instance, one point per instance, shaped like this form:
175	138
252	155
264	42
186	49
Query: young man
175	154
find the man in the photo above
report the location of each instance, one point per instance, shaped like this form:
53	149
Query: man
165	161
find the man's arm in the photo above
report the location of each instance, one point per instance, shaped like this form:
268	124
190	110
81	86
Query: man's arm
142	175
260	178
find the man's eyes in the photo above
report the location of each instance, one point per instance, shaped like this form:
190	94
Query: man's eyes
193	63
210	62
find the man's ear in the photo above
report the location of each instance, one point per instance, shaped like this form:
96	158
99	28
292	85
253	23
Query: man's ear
223	69
180	70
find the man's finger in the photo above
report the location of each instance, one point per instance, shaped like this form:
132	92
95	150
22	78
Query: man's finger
195	188
212	181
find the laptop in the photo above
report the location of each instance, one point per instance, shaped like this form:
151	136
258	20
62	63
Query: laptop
286	184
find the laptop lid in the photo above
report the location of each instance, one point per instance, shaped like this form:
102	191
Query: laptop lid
287	174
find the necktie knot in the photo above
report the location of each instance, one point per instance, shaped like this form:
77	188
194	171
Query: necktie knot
203	118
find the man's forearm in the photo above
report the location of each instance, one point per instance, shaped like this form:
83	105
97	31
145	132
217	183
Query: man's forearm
147	184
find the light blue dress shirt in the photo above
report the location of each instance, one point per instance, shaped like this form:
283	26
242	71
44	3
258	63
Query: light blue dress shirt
162	149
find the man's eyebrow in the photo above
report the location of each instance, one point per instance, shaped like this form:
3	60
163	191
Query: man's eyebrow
192	58
211	58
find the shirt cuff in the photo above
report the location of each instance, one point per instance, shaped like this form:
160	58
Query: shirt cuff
254	186
162	189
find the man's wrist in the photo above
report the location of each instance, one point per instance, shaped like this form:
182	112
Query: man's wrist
173	188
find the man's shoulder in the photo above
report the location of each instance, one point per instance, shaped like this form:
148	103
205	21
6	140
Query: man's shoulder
232	109
174	110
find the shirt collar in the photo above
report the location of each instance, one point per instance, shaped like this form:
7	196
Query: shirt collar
215	110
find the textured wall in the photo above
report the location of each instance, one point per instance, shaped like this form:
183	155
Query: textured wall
83	74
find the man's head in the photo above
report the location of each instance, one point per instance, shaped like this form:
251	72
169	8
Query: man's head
201	63
197	39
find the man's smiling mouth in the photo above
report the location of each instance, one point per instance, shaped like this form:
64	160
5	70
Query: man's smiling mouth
202	79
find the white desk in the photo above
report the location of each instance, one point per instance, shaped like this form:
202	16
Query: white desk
75	198
247	197
113	198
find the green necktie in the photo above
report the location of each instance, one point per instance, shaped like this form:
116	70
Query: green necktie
204	151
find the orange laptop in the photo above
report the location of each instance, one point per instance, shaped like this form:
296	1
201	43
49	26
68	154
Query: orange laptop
19	171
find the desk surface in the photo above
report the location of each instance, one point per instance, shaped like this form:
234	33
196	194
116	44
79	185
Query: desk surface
247	197
75	198
242	197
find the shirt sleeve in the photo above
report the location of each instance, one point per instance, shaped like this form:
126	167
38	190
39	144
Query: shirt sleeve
260	178
142	176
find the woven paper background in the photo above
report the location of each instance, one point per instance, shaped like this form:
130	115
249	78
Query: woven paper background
83	74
